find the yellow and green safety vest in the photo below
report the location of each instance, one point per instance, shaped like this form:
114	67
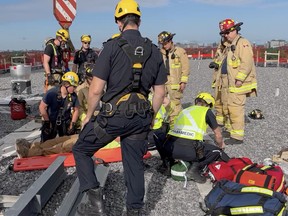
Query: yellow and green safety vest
190	123
160	117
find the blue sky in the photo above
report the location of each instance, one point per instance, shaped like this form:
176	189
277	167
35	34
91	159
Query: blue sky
24	24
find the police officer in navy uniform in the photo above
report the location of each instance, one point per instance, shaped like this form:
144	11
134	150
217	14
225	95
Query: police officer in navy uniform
126	110
84	57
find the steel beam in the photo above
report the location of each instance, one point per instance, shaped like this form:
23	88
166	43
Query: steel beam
34	199
74	197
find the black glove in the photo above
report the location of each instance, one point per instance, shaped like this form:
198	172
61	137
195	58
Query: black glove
214	65
72	129
165	127
50	79
46	127
199	148
81	77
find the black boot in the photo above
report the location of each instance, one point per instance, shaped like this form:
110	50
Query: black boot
165	167
93	205
194	173
133	212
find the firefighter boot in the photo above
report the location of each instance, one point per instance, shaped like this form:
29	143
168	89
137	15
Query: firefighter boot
225	132
133	212
165	167
193	173
93	205
233	141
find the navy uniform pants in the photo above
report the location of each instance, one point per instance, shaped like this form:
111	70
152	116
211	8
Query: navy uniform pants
133	135
183	149
55	129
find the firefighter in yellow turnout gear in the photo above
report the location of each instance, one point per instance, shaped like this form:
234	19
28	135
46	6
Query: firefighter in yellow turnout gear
220	85
82	93
240	69
178	69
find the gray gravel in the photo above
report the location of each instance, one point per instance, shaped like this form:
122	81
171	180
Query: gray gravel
263	138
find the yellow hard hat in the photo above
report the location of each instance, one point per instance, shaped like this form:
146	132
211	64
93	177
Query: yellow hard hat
71	77
85	38
63	33
208	98
125	7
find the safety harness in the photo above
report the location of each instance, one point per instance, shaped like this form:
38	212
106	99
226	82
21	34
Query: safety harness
62	107
233	48
133	99
53	79
86	59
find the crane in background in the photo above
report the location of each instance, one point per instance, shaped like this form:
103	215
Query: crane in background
65	12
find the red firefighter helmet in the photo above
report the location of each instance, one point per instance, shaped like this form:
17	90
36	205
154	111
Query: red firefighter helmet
229	25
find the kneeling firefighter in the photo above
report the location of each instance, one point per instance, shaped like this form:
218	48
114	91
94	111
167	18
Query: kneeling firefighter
129	65
185	139
59	108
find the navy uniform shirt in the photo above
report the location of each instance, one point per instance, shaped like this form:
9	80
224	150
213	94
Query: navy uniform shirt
115	67
54	104
211	119
89	56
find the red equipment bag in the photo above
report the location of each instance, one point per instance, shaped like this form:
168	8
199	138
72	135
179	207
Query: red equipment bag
219	170
271	177
17	109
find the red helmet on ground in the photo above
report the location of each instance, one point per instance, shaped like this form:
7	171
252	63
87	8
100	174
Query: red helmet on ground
229	25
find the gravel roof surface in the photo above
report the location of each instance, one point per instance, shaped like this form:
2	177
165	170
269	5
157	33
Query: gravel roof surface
263	138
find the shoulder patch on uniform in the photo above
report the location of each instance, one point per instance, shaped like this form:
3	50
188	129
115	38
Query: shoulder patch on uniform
245	45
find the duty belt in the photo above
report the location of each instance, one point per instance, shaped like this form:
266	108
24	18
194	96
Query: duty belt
129	111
